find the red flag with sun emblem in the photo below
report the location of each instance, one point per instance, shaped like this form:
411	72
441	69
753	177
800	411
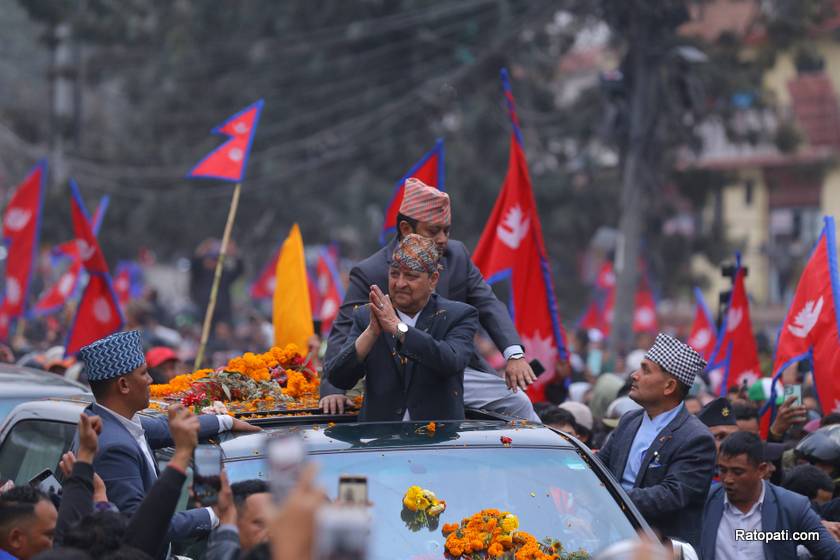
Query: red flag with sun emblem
811	328
263	286
21	222
511	247
99	312
702	337
736	351
229	161
429	170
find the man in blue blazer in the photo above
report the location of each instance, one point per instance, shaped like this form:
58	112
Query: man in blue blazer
663	456
118	376
412	344
426	211
747	518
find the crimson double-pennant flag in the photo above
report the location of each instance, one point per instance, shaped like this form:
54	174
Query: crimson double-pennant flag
703	335
736	351
599	314
811	329
128	282
21	225
98	314
511	248
429	170
229	161
330	288
57	295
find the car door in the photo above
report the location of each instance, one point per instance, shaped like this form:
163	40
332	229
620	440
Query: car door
33	445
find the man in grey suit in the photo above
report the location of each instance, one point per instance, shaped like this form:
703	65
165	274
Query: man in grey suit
745	507
119	379
663	456
412	345
426	211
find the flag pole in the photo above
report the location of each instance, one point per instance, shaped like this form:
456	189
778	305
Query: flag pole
217	277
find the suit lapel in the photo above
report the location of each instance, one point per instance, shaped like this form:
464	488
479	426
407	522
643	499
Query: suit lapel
624	449
769	517
661	440
424	323
711	521
109	417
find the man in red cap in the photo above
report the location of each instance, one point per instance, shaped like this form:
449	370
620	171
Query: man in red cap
425	211
163	364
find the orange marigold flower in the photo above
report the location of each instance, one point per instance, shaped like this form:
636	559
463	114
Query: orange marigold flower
495	550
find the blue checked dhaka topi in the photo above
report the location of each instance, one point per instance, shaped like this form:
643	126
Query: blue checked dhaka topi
113	356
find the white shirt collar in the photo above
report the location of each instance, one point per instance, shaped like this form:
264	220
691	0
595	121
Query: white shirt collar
757	505
133	425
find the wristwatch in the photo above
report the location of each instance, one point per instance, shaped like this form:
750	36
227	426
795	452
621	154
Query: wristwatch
517	356
402	329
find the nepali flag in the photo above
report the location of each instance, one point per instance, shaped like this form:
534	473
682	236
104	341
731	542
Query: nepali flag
593	317
644	314
263	286
330	289
128	282
736	351
429	170
606	277
21	225
703	336
56	296
228	161
511	247
811	329
98	314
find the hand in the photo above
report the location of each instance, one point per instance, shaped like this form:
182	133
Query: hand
225	508
242	426
381	306
787	416
89	429
6	354
833	528
66	466
374	327
183	427
292	531
518	373
335	404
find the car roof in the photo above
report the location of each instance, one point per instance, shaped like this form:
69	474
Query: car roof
352	436
19	381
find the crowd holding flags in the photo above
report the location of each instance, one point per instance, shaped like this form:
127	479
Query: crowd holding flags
703	335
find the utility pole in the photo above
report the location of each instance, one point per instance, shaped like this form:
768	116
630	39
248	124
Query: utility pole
62	102
643	100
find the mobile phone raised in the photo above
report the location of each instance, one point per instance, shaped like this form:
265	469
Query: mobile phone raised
353	489
207	474
795	391
46	482
341	533
286	455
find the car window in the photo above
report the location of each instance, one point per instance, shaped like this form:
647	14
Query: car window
554	492
32	446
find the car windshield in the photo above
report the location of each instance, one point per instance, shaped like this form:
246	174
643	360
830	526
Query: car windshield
554	492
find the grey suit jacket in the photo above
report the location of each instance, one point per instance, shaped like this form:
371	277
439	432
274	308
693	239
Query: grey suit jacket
424	375
460	280
781	510
671	490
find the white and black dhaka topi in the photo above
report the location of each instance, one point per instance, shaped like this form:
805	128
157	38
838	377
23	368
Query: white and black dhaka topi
677	358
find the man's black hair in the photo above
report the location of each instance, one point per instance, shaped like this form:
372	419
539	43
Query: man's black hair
62	553
18	503
830	419
559	416
743	443
126	552
682	390
403	218
244	488
100	388
158	378
744	411
808	480
97	534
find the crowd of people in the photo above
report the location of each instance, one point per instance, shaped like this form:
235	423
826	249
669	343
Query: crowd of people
423	336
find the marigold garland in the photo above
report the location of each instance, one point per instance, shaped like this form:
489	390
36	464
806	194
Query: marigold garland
282	366
491	533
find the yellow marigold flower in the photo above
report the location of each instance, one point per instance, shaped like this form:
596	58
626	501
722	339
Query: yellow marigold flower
510	523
